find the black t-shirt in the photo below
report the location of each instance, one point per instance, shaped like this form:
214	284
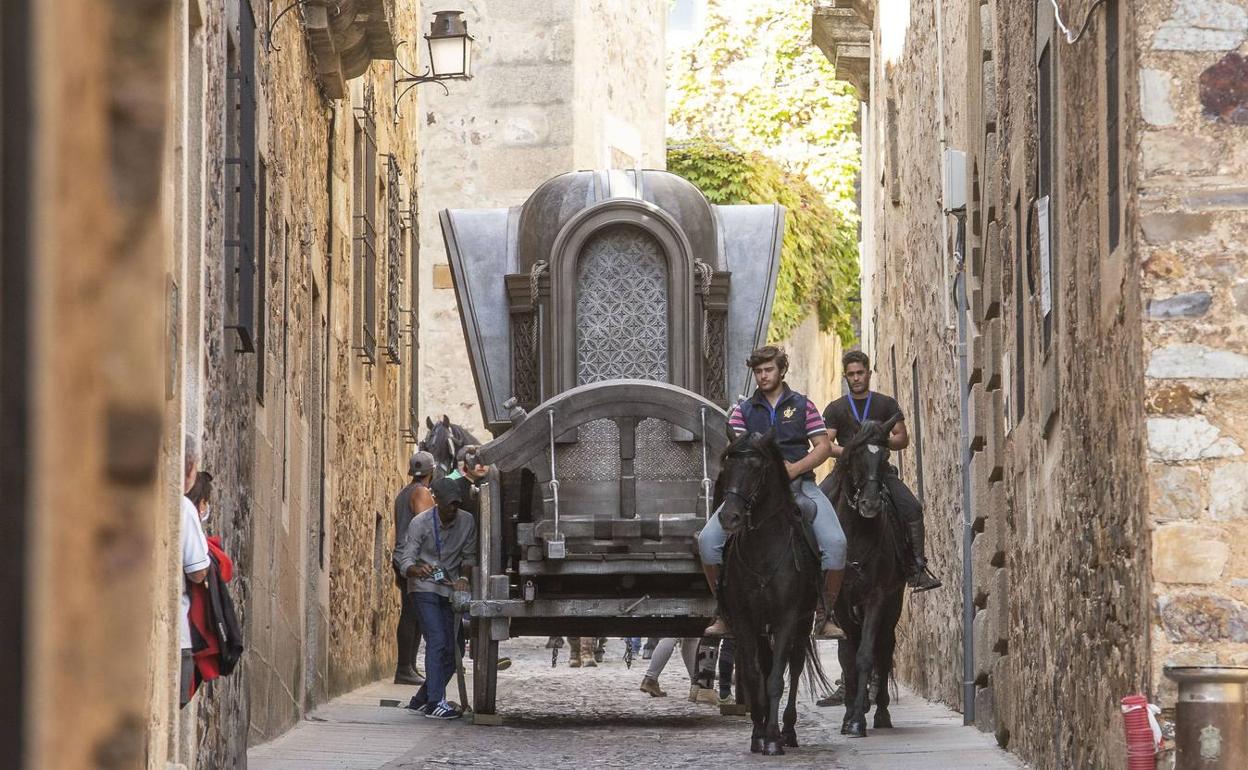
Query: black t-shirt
838	415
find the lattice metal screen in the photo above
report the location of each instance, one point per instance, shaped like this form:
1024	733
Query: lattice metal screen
621	308
658	457
594	457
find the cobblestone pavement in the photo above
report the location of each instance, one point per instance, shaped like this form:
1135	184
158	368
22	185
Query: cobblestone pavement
596	718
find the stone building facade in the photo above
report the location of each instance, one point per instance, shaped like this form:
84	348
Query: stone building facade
559	86
1101	245
288	192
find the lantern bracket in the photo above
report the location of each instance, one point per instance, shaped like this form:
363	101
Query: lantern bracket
410	80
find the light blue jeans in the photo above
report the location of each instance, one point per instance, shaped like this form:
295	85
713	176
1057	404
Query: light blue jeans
828	532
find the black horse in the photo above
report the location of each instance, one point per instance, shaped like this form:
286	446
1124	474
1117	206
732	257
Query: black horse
443	440
769	586
870	601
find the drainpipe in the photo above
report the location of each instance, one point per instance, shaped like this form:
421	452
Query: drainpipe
968	516
326	350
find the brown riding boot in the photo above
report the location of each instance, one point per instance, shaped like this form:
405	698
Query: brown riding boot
719	627
651	687
825	623
574	652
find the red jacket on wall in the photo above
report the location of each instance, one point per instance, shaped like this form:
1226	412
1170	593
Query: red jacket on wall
216	636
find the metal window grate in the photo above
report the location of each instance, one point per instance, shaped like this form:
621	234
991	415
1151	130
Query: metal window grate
240	185
394	261
364	232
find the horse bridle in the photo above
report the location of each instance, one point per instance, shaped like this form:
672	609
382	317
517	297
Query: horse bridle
873	477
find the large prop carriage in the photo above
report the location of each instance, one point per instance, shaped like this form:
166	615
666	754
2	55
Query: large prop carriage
607	318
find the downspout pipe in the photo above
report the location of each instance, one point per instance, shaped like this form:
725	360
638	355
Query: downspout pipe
326	351
968	515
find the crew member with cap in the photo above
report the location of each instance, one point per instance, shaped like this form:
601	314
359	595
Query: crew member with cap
437	558
413	499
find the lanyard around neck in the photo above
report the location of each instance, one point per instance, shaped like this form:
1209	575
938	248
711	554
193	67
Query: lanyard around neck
437	533
866	409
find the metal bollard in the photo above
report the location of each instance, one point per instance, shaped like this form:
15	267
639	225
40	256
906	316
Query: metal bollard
1211	721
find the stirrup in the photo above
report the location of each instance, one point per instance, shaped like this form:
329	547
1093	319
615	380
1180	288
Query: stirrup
923	580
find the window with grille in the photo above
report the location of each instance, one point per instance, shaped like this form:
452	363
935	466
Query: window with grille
394	262
1047	202
1112	136
364	233
241	231
413	318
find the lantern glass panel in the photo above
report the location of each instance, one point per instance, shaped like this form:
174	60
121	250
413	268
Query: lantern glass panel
447	56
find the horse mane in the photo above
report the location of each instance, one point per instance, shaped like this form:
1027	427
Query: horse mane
764	444
866	435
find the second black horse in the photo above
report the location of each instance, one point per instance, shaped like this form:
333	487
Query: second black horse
870	601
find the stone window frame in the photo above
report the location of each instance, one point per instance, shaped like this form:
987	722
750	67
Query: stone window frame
1047	123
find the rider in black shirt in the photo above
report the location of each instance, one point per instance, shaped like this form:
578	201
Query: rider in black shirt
843	418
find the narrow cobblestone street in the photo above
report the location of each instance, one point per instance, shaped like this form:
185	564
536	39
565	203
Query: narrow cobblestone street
597	718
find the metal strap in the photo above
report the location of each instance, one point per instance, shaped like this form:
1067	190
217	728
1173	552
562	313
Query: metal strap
554	480
707	487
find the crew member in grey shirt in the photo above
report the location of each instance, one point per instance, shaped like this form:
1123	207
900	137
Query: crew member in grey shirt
437	557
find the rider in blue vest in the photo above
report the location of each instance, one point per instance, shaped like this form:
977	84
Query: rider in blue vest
803	440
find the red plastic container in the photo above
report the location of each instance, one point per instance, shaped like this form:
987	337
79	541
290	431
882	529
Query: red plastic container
1141	745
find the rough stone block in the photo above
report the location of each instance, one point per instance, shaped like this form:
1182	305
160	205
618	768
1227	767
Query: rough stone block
993	265
1179	152
992	354
1203	616
1176	439
1185	552
1202	25
987	28
1190	305
985	709
976	357
1196	362
1224	90
992	176
989	91
1155	97
978	417
1228	492
1165	227
1174	492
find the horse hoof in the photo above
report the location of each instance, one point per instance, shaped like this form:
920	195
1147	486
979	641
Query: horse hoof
756	745
844	728
772	749
883	719
858	729
790	739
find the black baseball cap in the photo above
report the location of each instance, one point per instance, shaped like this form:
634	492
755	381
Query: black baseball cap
446	491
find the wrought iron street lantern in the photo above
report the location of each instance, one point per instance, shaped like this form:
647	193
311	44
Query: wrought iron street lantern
450	56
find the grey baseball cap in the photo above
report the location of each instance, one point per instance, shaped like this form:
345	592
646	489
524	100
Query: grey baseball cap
421	464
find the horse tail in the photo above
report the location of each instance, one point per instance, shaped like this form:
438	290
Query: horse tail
816	679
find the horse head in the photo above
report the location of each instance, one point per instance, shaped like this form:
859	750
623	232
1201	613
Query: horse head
443	440
751	469
867	455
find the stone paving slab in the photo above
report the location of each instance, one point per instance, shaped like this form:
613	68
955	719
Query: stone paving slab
596	718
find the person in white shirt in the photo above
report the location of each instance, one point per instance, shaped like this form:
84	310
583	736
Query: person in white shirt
195	563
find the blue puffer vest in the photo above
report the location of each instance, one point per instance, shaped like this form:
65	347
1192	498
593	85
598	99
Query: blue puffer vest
788	419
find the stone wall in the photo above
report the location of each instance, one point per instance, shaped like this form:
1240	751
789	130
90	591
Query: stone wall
85	365
559	86
306	460
1192	170
1060	549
